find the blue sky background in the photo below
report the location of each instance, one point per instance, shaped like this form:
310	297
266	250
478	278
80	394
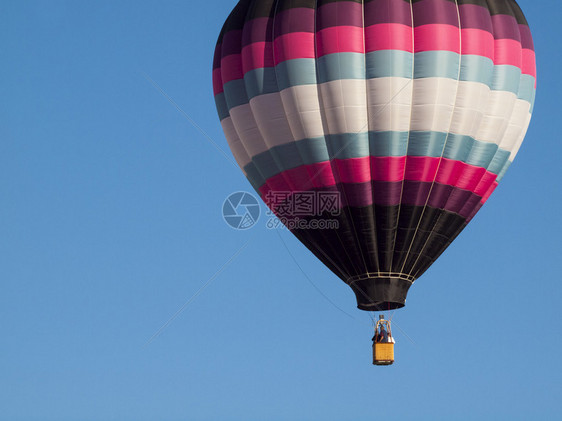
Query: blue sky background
111	220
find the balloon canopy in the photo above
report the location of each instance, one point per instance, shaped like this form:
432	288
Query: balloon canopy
375	129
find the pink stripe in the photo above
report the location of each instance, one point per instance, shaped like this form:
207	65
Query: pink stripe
231	68
301	178
387	168
217	81
507	51
378	37
388	36
279	184
353	170
257	56
436	36
477	42
487	180
390	169
365	169
529	64
489	192
421	168
459	174
340	39
294	45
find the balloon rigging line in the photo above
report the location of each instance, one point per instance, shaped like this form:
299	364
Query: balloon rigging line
328	299
408	140
188	117
311	179
310	280
440	161
199	291
403	332
333	165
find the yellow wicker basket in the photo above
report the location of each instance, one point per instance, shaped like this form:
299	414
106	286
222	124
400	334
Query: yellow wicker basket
383	353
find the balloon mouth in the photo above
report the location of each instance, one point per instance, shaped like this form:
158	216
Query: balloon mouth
381	293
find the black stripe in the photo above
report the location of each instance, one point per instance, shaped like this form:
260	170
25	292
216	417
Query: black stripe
292	4
261	9
381	239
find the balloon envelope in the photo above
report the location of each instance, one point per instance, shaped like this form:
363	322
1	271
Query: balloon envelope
375	129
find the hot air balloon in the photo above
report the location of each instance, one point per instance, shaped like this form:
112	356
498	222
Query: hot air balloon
410	112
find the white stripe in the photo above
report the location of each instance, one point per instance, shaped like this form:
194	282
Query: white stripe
271	119
496	116
469	108
390	103
247	130
433	101
235	143
519	141
345	105
295	113
302	106
516	125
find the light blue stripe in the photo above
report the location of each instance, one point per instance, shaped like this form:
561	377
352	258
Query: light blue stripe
267	164
426	143
388	143
506	78
527	88
477	69
291	155
261	82
235	93
503	171
498	162
341	66
481	155
313	150
353	145
385	63
254	176
296	72
222	108
348	145
436	64
389	63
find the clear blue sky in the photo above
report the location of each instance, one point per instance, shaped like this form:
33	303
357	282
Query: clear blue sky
111	220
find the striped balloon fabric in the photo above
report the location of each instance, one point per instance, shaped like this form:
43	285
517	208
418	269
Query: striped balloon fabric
409	111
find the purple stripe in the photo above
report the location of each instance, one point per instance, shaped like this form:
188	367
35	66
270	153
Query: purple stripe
232	43
435	11
454	200
388	11
442	196
257	30
294	20
526	38
474	211
506	27
475	17
343	13
217	56
379	11
415	193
